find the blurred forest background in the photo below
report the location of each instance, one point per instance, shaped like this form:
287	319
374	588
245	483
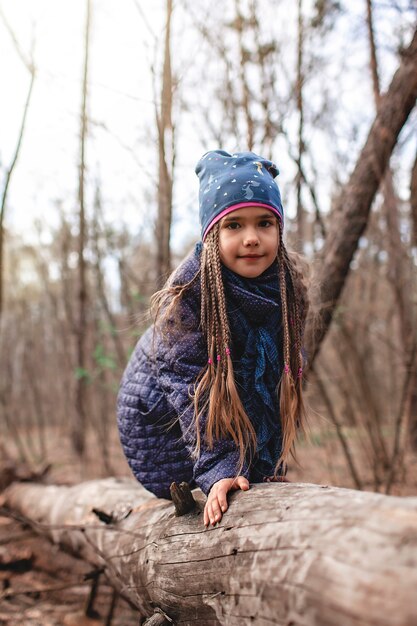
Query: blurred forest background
99	203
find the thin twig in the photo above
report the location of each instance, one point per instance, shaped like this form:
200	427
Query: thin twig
8	593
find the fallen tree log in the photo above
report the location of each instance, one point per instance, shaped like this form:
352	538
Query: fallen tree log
294	554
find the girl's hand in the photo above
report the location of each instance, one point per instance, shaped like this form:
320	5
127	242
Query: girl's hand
216	503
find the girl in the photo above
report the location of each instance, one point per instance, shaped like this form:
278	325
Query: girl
212	393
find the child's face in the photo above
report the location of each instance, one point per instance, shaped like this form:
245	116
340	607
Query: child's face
249	240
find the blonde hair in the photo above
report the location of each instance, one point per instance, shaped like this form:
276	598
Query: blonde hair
215	393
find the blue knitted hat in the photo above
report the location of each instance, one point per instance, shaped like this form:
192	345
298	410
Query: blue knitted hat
233	181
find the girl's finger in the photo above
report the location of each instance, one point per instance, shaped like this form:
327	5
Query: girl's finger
241	483
216	514
244	483
222	495
223	501
206	515
210	515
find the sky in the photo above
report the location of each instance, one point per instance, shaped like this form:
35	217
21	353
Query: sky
121	148
120	98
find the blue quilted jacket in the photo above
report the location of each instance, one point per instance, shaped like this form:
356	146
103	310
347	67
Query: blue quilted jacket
155	413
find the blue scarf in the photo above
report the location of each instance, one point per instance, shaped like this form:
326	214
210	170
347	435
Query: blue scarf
255	318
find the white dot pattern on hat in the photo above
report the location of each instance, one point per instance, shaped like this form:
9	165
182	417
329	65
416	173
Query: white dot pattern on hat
236	180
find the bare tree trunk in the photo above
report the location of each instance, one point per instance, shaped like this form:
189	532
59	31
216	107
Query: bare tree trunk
246	95
371	412
166	161
352	211
282	554
8	177
101	409
267	70
398	259
413	385
413	201
79	427
406	405
125	298
398	265
372	49
300	107
59	326
101	288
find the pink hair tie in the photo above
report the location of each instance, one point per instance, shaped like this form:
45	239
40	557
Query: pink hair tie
218	357
300	372
287	368
210	361
227	351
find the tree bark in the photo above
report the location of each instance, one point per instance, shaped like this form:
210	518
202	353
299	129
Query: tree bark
100	283
166	161
413	386
8	177
398	264
413	201
282	554
372	52
246	96
79	426
301	234
354	205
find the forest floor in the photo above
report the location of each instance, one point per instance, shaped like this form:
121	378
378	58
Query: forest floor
40	585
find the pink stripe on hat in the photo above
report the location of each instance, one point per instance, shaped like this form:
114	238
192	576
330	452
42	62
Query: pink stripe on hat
235	207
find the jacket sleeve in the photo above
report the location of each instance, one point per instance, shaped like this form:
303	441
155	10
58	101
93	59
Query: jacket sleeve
183	360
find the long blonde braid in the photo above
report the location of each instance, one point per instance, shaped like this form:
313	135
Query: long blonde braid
294	310
215	391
